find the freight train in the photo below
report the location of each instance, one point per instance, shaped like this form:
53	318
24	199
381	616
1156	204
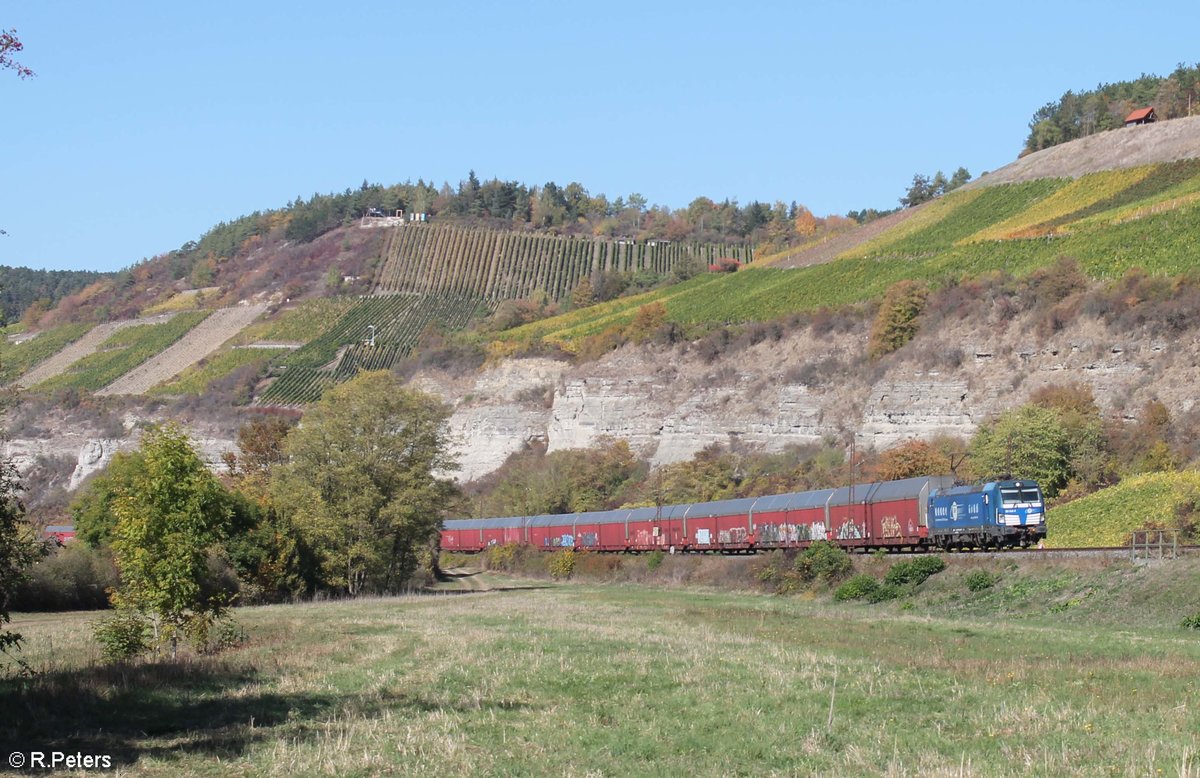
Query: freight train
912	514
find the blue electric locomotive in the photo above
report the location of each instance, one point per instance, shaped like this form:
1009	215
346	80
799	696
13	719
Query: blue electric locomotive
991	515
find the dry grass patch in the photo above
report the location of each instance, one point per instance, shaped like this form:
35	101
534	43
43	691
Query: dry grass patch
627	680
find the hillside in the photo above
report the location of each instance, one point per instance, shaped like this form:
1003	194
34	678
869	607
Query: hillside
771	356
22	288
422	277
1156	500
1123	147
1109	222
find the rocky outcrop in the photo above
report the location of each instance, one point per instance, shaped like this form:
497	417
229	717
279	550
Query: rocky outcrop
91	450
497	412
670	403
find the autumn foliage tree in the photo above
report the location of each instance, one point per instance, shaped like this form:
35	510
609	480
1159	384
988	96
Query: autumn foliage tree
648	318
268	553
563	481
911	459
805	222
897	323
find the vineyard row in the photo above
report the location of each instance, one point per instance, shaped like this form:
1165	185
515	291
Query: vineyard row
510	265
398	321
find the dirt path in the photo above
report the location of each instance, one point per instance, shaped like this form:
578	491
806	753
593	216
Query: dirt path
203	339
832	248
467	579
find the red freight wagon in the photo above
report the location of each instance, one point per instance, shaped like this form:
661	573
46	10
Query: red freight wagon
889	514
895	516
723	525
60	533
795	519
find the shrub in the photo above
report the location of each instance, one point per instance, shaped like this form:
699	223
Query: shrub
823	561
123	636
72	578
500	557
591	566
561	564
979	580
884	592
655	559
896	322
1191	622
857	588
208	635
914	572
770	571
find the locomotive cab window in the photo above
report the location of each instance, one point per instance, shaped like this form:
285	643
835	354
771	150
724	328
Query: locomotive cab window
1016	496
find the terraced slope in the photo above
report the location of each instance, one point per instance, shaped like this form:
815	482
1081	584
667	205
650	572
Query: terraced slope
199	342
1110	223
84	346
21	353
398	322
511	265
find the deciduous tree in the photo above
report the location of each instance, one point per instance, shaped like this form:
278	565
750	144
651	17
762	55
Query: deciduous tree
896	323
18	548
363	483
911	459
92	511
1029	442
169	517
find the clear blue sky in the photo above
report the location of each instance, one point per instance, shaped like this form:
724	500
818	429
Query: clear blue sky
148	122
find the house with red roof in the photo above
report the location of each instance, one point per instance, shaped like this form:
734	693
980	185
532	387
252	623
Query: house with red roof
1141	116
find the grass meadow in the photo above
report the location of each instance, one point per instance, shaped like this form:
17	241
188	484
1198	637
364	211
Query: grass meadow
537	678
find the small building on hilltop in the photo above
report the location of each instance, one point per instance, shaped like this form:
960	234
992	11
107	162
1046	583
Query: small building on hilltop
1141	116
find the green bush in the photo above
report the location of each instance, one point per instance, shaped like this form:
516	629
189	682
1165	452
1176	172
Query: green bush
823	561
914	572
884	592
123	636
211	635
1191	622
857	588
75	577
655	559
979	580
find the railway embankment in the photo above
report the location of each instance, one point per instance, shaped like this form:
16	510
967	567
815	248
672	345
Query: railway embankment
1076	587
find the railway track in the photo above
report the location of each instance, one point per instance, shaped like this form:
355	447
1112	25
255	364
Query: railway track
1098	552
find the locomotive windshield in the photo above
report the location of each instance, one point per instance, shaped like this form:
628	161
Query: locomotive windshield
1022	495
